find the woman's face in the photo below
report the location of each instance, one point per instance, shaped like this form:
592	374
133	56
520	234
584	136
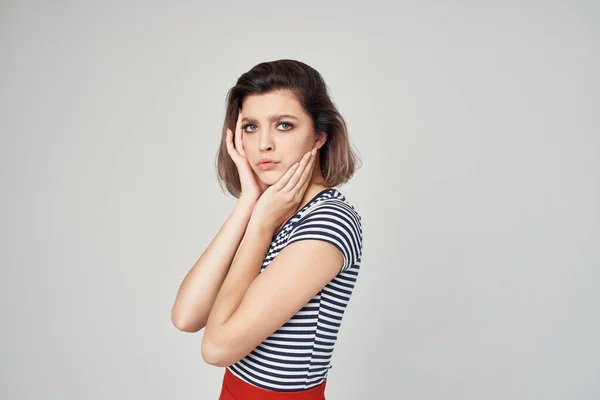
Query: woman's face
275	126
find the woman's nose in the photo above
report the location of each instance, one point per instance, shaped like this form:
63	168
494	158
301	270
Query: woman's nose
265	141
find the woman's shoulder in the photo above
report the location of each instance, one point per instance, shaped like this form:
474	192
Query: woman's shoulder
331	218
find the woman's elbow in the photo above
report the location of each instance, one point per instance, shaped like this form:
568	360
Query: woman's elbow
186	324
211	354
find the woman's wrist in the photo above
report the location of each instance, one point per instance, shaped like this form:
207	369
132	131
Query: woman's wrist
256	226
243	210
247	201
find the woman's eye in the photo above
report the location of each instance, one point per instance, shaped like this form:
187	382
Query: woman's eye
252	128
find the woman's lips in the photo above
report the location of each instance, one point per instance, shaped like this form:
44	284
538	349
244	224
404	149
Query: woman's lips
267	165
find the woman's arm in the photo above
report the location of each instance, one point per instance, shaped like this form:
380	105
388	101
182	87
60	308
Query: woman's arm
323	243
201	285
251	305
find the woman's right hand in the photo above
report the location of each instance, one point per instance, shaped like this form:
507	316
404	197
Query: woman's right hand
250	188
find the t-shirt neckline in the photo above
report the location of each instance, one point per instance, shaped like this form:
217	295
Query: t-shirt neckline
310	202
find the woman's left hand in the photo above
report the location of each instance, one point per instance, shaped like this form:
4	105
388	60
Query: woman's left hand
280	200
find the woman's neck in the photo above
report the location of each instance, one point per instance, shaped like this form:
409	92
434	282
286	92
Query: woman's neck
311	191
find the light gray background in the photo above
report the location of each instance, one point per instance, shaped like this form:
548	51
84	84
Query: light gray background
477	123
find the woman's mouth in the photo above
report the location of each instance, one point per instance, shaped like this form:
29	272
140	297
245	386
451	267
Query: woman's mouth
266	165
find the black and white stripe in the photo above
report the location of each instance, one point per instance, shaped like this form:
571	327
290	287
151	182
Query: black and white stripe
298	355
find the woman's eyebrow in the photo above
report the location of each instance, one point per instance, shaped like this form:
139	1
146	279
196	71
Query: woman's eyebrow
272	118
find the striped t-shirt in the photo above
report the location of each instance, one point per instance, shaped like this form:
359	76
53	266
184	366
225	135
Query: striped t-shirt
298	355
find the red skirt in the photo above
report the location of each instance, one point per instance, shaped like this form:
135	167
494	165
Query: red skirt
236	389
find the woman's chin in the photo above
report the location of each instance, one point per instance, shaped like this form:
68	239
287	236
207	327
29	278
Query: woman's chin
269	177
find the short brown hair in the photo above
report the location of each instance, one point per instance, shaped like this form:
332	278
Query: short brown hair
337	159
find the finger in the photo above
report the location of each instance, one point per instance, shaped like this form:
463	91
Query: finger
306	175
230	148
281	183
304	180
238	135
301	167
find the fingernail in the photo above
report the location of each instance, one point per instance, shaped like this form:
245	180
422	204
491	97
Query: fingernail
314	151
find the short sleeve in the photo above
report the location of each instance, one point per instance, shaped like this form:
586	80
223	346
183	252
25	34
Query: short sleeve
335	222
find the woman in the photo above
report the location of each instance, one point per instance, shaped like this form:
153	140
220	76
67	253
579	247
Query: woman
273	285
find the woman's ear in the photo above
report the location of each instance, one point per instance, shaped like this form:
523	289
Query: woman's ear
321	139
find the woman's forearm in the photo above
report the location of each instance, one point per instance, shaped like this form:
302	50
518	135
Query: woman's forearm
244	269
201	285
